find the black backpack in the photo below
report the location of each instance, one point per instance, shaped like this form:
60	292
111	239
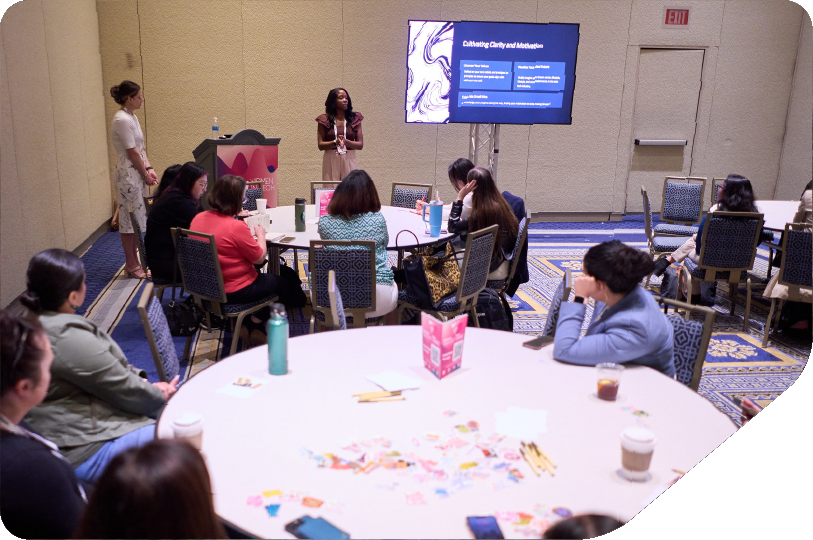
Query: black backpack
493	312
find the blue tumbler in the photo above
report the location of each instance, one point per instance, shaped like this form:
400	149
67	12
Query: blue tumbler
278	340
435	217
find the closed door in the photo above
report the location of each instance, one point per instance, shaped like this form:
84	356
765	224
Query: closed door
666	98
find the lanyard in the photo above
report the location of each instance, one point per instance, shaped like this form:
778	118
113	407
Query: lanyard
336	131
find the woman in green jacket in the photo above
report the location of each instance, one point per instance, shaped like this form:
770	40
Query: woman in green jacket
97	405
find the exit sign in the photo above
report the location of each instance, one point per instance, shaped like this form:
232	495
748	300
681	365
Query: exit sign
676	17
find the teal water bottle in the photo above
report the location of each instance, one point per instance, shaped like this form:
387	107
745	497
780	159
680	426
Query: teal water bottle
278	340
299	215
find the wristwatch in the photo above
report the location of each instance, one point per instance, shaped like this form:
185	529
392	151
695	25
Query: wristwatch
578	300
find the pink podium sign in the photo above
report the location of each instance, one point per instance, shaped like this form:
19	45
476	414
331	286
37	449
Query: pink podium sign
254	163
443	343
324	201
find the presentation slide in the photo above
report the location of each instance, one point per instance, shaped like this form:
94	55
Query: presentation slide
487	72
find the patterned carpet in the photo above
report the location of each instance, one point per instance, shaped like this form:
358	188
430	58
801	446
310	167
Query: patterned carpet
736	366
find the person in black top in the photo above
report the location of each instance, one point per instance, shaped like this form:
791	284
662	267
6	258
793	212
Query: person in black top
40	496
175	207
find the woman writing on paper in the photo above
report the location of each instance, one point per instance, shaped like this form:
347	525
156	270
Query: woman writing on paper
458	172
338	134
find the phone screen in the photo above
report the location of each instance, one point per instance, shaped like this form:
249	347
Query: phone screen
484	527
538	342
318	528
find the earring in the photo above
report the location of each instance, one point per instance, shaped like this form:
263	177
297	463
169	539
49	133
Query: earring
74	307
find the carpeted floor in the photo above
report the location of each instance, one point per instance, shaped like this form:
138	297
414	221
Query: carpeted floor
735	367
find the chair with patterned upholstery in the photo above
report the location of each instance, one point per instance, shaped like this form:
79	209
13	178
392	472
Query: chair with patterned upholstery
254	191
203	279
691	340
658	245
560	295
727	251
160	283
794	270
406	195
353	265
473	277
320	187
501	285
336	304
682	203
158	336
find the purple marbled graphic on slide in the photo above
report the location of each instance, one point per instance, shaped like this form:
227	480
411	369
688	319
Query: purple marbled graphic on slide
429	71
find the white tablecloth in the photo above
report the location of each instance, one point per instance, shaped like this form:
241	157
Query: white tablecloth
253	444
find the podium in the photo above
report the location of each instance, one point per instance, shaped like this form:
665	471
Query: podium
247	153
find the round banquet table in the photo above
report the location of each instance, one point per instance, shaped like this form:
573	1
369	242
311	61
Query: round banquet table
255	444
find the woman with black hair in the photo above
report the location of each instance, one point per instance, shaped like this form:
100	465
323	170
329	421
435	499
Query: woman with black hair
40	496
97	404
176	206
338	133
167	179
458	172
627	326
583	526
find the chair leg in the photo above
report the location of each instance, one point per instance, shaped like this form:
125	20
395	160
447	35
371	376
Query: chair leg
732	295
313	323
235	335
473	310
779	314
747	314
768	323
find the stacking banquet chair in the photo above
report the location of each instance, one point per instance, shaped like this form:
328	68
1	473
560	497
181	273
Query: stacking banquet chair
353	265
160	283
319	187
203	279
336	304
691	340
658	245
560	295
254	191
501	286
794	271
473	276
406	195
158	336
681	206
727	251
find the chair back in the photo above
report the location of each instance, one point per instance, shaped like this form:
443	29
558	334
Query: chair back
797	257
560	295
254	191
406	195
716	182
691	339
683	199
729	244
476	262
158	336
336	305
140	247
647	214
353	262
321	187
513	257
200	268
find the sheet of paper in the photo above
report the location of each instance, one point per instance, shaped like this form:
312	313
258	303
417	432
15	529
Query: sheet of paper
392	381
521	423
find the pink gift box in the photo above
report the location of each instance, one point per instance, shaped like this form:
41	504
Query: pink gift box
443	343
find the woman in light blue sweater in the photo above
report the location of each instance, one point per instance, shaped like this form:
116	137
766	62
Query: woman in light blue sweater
627	326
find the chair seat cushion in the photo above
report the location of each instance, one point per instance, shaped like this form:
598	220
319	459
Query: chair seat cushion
229	309
408	297
449	303
680	230
667	244
495	284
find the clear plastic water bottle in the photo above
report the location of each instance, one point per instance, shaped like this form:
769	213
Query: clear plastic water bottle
215	129
278	340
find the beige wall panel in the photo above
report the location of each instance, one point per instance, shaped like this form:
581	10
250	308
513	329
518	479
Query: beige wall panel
193	71
13	254
567	162
453	143
700	164
289	70
646	24
622	199
33	118
120	46
795	167
757	55
374	57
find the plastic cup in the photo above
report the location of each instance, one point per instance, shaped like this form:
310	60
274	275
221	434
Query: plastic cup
609	377
637	446
261	205
189	427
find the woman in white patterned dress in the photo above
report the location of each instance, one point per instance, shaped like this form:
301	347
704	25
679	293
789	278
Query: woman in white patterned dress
133	170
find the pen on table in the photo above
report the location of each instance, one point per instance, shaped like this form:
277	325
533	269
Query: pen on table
530	462
681	473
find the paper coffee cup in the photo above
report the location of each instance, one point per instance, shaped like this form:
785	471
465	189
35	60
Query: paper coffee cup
637	446
261	205
189	426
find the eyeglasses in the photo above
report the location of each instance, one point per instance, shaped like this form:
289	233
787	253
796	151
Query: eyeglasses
201	184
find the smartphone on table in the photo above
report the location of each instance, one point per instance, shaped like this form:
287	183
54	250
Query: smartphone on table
286	239
484	527
309	527
538	342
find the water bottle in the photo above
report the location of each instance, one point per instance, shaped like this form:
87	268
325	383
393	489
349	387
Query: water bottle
215	129
278	340
299	215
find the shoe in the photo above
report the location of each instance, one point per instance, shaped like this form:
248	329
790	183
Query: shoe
660	266
696	300
137	273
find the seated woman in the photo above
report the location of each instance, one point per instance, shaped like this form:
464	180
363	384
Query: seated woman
161	490
175	206
627	326
458	172
167	180
238	251
40	496
489	207
354	213
97	404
